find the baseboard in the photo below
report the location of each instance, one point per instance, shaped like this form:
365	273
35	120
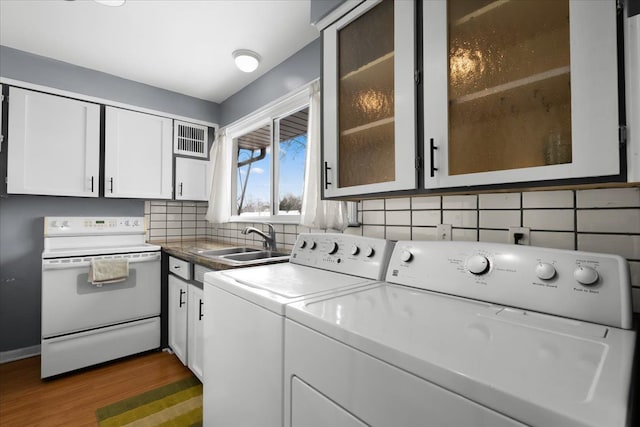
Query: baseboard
20	353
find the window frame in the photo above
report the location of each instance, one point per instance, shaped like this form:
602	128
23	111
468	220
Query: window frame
268	115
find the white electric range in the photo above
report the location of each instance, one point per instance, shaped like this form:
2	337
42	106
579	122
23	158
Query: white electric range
244	328
467	334
85	323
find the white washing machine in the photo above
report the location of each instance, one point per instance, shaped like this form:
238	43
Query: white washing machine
467	334
244	331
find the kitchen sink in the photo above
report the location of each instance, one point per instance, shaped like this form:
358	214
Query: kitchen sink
240	256
225	251
259	256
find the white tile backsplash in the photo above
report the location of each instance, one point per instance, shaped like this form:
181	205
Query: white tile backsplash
609	220
495	236
552	239
556	219
499	219
460	218
499	201
398	217
626	246
398	204
373	231
423	233
608	198
373	217
547	199
369	205
460	202
398	233
425	218
427	202
461	234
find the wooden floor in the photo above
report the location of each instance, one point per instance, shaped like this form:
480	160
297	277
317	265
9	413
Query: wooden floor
71	400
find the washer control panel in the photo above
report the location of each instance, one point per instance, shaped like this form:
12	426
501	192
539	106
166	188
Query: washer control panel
361	256
79	226
580	285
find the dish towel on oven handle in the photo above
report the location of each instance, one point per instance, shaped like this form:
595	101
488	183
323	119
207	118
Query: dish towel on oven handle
104	271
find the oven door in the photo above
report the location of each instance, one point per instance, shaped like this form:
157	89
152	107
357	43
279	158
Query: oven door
71	304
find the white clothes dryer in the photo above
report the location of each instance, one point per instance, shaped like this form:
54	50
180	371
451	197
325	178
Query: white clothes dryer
244	331
467	334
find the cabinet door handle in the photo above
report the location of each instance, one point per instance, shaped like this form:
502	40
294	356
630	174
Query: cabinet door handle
181	189
111	181
432	148
92	184
181	302
200	311
326	175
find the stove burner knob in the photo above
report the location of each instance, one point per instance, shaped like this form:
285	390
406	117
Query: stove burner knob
369	252
355	250
478	264
64	224
333	248
53	224
302	243
586	276
136	223
545	271
406	256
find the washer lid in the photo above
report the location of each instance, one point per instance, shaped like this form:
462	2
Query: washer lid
535	368
274	285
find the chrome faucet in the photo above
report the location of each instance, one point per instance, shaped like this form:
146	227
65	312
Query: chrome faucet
269	240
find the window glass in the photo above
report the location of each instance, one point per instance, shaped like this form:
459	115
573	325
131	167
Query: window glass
253	181
292	151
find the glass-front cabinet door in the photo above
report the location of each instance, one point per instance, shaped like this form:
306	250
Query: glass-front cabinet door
369	100
518	91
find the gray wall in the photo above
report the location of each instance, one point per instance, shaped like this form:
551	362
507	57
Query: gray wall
21	234
300	68
320	8
20	65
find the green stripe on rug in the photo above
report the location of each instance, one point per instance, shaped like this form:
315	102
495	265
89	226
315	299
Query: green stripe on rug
176	404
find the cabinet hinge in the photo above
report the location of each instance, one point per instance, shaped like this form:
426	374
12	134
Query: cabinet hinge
622	135
2	98
418	162
416	76
620	5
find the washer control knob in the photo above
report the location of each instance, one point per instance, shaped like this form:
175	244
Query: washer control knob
333	248
126	223
302	243
545	271
355	250
478	264
586	275
406	256
369	252
312	245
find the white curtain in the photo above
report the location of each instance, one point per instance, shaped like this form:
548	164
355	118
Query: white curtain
220	156
316	213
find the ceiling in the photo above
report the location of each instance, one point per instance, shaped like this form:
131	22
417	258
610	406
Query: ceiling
183	46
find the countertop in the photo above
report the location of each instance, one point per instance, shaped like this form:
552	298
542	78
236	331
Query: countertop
183	250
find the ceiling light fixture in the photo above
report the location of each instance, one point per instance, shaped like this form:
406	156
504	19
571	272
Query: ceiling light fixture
113	3
246	60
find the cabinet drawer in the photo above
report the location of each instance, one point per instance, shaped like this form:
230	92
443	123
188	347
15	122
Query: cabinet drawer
199	271
180	268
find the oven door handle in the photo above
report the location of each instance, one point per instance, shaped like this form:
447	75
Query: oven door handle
85	262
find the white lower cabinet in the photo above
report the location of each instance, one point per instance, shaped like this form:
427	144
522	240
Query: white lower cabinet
186	315
195	331
53	145
178	300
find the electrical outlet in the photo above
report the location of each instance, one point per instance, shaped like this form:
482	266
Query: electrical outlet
519	235
443	232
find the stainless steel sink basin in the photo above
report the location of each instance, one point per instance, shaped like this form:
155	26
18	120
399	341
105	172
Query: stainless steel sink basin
225	251
259	256
240	256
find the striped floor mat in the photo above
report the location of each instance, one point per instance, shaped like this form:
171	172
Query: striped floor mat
177	405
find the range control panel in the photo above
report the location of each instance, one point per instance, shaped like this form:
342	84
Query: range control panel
81	226
580	285
361	256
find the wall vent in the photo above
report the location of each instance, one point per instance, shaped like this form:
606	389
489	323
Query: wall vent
189	139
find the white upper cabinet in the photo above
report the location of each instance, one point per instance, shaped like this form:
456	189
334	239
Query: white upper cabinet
519	91
138	155
53	145
192	179
369	94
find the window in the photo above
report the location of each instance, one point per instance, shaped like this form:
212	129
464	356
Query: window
269	164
